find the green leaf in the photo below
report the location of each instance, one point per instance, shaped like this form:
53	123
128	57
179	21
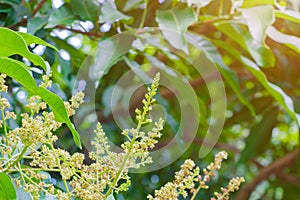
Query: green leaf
290	15
11	2
259	18
31	39
7	190
85	9
291	41
230	77
262	54
13	43
36	23
17	13
62	15
110	51
18	71
76	55
110	14
260	135
276	92
174	23
251	3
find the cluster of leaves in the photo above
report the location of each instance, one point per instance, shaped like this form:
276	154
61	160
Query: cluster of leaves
254	43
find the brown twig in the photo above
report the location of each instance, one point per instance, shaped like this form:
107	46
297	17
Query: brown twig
38	7
25	20
93	34
274	168
289	178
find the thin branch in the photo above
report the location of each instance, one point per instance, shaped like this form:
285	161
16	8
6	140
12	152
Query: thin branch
93	34
289	178
25	20
274	168
17	25
38	7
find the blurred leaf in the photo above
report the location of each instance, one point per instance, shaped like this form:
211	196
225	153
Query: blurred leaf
136	68
110	51
36	23
63	15
7	190
290	15
262	55
245	116
31	39
260	134
251	3
132	4
259	18
5	8
174	23
13	43
11	2
291	41
110	98
110	14
278	94
18	71
230	77
17	14
85	9
77	56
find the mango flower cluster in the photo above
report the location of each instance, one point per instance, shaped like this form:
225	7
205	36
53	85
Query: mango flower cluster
34	140
189	179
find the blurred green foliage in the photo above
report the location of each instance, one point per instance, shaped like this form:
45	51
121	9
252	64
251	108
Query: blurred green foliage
255	45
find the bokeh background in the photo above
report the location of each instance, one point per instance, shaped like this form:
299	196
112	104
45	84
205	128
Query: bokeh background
254	44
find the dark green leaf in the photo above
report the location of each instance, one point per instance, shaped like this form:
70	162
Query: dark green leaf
174	23
260	134
13	43
7	190
63	15
18	71
17	14
85	9
36	23
11	2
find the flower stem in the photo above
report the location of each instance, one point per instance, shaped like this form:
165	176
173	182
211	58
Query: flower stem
144	14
